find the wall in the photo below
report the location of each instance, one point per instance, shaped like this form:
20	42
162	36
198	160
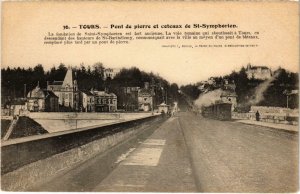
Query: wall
55	122
268	117
23	151
275	110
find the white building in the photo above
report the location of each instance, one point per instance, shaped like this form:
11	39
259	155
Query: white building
111	73
145	98
258	72
87	101
105	102
66	90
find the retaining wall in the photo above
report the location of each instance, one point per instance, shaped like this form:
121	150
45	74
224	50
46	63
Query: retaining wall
275	110
281	118
56	121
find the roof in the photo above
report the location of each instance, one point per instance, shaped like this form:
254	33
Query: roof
18	102
222	102
49	93
226	93
68	79
103	93
258	67
88	93
37	92
56	83
144	92
163	104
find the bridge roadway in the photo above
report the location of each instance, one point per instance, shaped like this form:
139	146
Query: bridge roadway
188	153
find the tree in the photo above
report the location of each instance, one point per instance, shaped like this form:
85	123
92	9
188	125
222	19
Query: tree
98	70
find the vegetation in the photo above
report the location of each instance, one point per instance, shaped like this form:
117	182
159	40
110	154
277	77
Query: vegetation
275	94
88	77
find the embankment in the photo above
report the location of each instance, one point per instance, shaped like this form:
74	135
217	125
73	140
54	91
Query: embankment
55	122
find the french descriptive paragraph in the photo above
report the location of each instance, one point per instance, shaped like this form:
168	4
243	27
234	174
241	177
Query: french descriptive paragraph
168	39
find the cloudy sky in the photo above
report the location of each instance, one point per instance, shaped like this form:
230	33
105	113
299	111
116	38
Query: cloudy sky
24	26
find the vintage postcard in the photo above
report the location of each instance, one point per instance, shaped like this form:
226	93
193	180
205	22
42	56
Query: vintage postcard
150	96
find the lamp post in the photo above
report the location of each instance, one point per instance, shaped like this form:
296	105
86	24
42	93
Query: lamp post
287	93
165	95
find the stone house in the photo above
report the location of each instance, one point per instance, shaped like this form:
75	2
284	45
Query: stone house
39	100
87	100
67	91
104	101
145	98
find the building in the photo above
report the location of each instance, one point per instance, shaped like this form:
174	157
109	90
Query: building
211	81
230	97
67	92
104	101
128	99
39	100
17	106
163	108
111	73
258	72
145	98
87	100
228	85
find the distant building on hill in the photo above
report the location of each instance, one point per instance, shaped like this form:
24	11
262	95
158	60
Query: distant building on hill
227	85
111	73
258	72
67	91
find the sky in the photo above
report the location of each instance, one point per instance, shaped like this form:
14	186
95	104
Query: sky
25	24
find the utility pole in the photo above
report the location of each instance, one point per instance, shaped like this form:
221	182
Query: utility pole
287	93
152	94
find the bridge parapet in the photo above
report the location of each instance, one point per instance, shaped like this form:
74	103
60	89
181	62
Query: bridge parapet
22	151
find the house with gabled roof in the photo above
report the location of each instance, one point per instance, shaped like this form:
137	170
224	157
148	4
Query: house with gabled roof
67	91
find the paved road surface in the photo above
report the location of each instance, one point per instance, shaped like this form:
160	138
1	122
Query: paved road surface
156	160
192	154
234	157
159	164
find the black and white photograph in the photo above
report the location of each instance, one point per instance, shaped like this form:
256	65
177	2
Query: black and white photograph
150	96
